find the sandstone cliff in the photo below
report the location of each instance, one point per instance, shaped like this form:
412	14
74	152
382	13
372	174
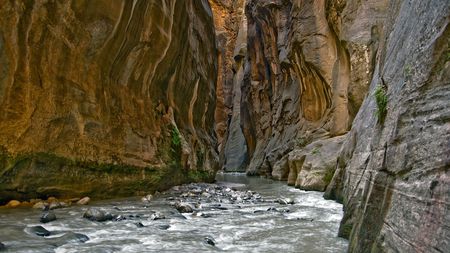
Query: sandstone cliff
313	70
305	76
393	173
105	97
230	24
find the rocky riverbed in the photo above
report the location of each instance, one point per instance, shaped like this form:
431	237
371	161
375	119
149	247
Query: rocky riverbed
236	214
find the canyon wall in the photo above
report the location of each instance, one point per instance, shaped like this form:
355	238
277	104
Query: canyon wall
230	24
105	98
352	97
306	75
393	172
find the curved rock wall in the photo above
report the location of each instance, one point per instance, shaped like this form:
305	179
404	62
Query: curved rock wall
316	69
299	86
90	87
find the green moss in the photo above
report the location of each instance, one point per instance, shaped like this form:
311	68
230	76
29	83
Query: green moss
175	146
345	230
200	158
199	175
381	100
328	176
303	141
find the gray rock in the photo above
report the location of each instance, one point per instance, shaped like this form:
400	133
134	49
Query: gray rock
94	214
47	217
285	201
139	225
2	246
183	207
39	231
164	227
157	216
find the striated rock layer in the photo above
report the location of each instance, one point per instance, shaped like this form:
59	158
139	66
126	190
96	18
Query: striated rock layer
393	173
298	82
230	24
316	69
105	98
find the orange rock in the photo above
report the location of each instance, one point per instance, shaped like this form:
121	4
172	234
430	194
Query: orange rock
13	203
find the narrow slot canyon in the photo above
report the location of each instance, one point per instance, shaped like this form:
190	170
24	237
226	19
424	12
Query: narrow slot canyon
224	125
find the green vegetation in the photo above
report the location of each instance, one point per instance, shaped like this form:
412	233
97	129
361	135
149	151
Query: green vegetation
381	100
175	147
315	150
345	230
199	175
328	176
303	141
200	158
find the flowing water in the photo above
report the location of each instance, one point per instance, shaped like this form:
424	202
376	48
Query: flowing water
309	225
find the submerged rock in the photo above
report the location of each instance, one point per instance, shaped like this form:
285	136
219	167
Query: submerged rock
164	227
97	215
39	231
209	240
47	217
139	224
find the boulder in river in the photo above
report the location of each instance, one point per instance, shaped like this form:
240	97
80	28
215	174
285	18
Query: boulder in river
84	201
47	217
285	201
39	231
209	240
40	205
2	246
13	203
157	216
139	225
164	226
94	214
183	207
147	199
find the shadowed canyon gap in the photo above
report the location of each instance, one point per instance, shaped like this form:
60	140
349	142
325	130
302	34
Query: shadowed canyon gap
347	97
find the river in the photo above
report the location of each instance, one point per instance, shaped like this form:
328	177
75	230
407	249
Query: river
309	225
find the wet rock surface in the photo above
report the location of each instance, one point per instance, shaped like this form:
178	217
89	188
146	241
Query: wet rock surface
240	216
47	217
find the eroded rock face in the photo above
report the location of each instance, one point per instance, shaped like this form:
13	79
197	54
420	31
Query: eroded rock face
298	82
227	18
127	84
312	167
393	175
311	72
